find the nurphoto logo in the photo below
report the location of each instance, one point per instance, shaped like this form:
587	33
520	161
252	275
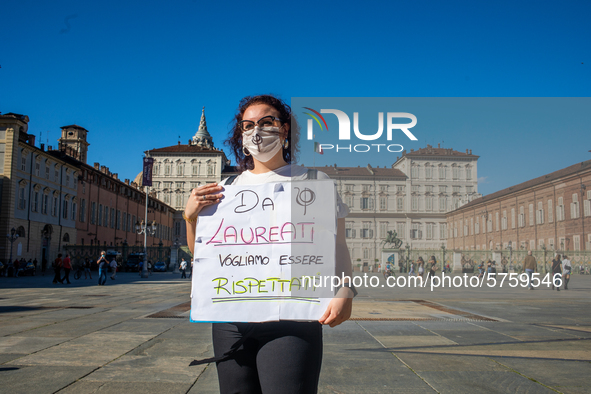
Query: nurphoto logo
345	130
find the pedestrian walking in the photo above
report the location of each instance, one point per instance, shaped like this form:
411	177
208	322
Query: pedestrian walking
530	266
412	269
432	264
102	267
113	266
183	269
15	267
191	273
566	270
141	267
556	270
67	265
57	268
149	267
87	268
421	265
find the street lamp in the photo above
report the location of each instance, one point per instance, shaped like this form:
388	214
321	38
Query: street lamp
142	228
407	256
13	236
176	245
510	247
443	260
545	251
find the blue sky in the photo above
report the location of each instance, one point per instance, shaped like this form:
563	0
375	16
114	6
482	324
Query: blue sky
136	74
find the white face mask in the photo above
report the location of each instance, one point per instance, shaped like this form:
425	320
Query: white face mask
262	144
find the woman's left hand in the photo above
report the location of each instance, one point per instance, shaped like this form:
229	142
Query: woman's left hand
339	309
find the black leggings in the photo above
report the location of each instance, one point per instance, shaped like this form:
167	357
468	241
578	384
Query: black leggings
278	357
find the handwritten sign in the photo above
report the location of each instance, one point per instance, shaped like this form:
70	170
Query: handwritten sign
263	251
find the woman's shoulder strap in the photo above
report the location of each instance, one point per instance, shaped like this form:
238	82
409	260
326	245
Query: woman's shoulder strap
230	179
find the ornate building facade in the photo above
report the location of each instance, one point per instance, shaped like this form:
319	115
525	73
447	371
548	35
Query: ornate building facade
550	212
180	168
412	198
38	194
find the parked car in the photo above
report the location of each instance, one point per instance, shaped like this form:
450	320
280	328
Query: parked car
133	262
159	266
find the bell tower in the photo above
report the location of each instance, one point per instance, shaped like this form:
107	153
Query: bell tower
73	142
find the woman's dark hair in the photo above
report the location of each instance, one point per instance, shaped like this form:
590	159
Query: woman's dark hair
293	129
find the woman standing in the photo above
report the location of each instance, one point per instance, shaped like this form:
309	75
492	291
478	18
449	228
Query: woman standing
556	270
432	267
421	265
282	356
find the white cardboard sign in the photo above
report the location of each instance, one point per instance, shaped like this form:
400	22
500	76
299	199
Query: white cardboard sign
261	252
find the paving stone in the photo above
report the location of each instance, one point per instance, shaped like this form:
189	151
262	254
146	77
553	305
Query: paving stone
39	379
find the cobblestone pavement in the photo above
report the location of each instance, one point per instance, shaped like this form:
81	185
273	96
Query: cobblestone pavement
133	335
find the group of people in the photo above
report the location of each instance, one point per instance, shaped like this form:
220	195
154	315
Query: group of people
420	268
18	266
561	268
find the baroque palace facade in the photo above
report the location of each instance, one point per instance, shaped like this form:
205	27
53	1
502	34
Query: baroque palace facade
411	197
53	199
550	212
180	168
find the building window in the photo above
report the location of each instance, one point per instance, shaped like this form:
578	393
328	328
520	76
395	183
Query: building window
349	201
415	233
124	222
442	173
540	213
35	202
442	230
587	204
550	212
367	203
400	230
349	188
100	215
22	202
93	212
46	172
179	199
383	203
194	185
512	217
65	209
455	171
504	221
400	188
179	169
414	203
54	209
468	173
430	227
429	203
194	169
210	169
37	168
383	229
349	231
442	204
45	204
82	210
456	189
384	188
414	172
497	222
113	218
574	207
366	232
560	210
477	225
56	174
428	172
521	216
399	204
118	220
414	189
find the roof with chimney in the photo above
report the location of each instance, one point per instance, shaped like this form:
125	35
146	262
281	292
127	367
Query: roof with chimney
184	149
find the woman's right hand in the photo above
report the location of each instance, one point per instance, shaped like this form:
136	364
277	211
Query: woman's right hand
201	197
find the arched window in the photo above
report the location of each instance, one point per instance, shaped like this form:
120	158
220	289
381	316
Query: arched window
20	231
66	237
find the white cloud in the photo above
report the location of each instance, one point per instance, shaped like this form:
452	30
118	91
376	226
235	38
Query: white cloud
482	179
